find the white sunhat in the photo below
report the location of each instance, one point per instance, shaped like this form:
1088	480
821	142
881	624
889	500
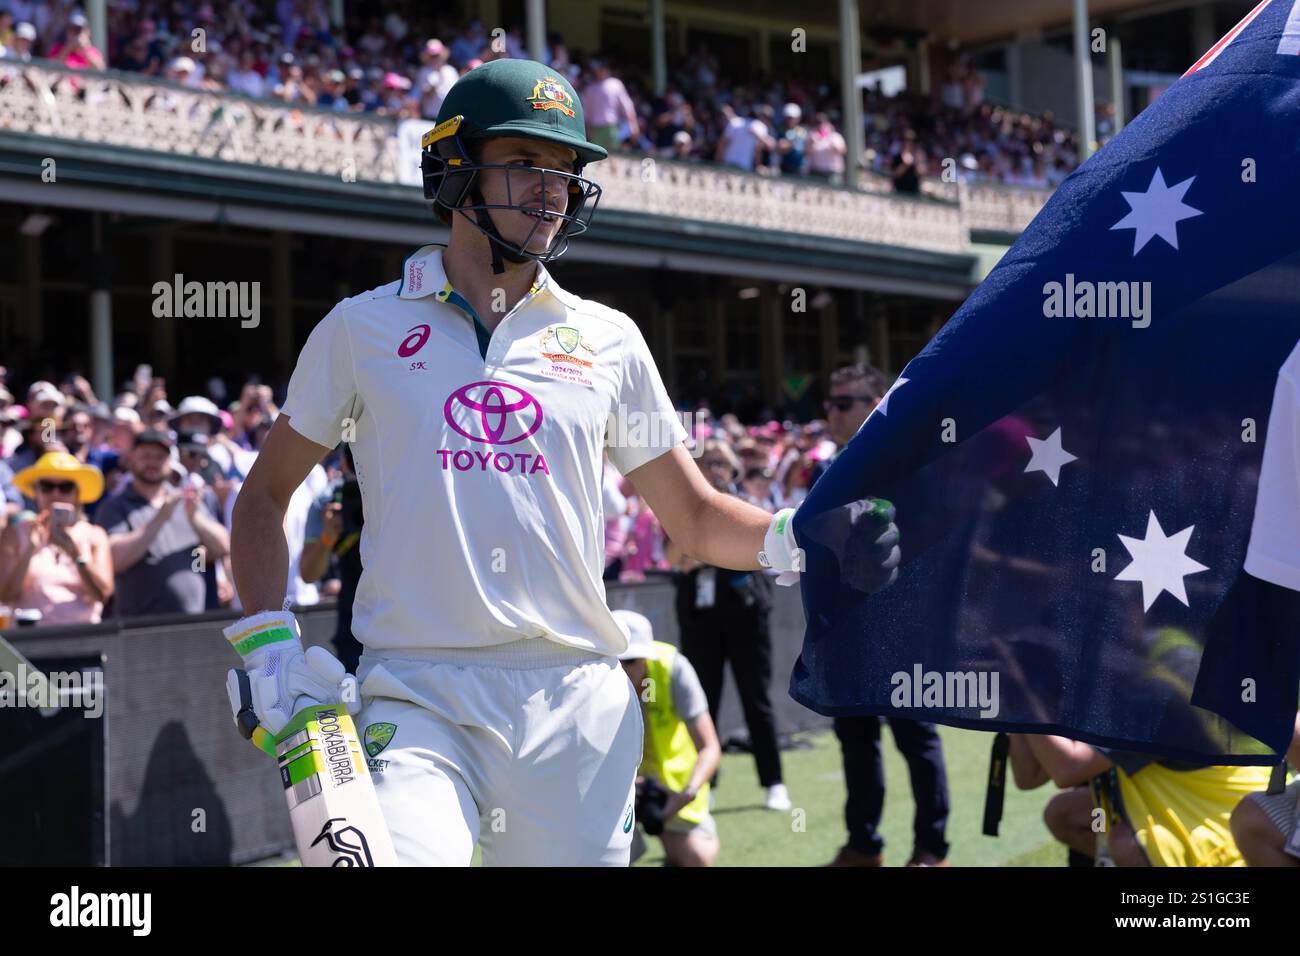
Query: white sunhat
198	405
640	635
45	392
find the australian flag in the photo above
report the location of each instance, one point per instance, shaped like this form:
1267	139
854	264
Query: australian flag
1096	462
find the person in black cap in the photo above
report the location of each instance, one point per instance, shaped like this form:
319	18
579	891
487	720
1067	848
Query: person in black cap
153	531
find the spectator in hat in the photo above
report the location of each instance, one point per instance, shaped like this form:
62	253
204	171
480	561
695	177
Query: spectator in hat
197	415
75	49
24	41
40	428
792	144
45	401
155	530
683	146
435	78
681	748
185	71
56	561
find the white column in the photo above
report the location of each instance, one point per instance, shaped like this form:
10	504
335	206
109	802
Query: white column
1083	80
1015	75
535	16
98	17
850	67
1115	60
658	47
101	314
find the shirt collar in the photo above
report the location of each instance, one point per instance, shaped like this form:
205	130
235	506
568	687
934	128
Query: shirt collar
423	275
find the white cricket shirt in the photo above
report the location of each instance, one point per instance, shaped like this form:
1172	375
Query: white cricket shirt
1274	550
480	471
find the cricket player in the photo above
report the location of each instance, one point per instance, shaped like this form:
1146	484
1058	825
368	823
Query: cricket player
476	395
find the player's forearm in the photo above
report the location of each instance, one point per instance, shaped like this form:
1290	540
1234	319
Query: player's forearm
259	554
726	532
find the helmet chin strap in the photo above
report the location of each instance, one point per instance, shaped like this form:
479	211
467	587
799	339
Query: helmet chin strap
495	240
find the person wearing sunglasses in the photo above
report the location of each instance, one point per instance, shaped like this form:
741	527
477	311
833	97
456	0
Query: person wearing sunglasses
855	391
57	562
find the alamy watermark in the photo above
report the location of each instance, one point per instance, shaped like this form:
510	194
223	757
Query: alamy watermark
951	690
28	687
208	300
1084	299
635	428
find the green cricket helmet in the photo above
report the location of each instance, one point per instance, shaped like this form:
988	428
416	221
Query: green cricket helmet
520	98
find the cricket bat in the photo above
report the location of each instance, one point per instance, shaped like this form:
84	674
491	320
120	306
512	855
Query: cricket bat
332	803
24	675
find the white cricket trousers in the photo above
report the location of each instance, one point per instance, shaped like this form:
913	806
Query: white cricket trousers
528	749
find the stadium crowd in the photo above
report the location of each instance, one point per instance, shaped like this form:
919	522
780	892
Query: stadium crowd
289	51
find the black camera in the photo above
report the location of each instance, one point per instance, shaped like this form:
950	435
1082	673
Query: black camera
348	497
651	801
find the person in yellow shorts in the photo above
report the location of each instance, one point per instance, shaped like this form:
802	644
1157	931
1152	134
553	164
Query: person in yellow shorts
1264	824
681	750
1154	812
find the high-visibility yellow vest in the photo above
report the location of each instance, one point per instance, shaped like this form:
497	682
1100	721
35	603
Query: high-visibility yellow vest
670	753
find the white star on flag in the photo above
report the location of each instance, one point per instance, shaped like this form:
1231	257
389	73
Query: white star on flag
883	407
1157	211
1160	562
1048	456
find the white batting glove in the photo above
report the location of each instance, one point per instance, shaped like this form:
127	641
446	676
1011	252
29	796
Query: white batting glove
780	553
282	677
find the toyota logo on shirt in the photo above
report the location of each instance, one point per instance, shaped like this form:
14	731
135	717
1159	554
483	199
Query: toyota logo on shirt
494	413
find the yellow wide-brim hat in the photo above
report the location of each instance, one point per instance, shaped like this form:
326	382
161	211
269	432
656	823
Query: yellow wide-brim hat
60	466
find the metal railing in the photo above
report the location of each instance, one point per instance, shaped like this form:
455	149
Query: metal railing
130	111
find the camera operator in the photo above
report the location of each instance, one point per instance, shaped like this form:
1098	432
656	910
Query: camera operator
334	529
681	749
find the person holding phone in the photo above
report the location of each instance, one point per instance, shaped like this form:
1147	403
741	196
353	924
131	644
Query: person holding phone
57	562
76	50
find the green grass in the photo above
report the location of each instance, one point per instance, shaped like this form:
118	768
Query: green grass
755	836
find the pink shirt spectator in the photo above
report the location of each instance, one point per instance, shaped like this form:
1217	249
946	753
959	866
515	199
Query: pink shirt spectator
81	58
606	103
54	587
644	548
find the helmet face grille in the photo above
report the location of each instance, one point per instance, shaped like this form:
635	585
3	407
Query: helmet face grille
451	181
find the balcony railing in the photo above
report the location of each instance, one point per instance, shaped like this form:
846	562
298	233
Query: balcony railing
126	110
